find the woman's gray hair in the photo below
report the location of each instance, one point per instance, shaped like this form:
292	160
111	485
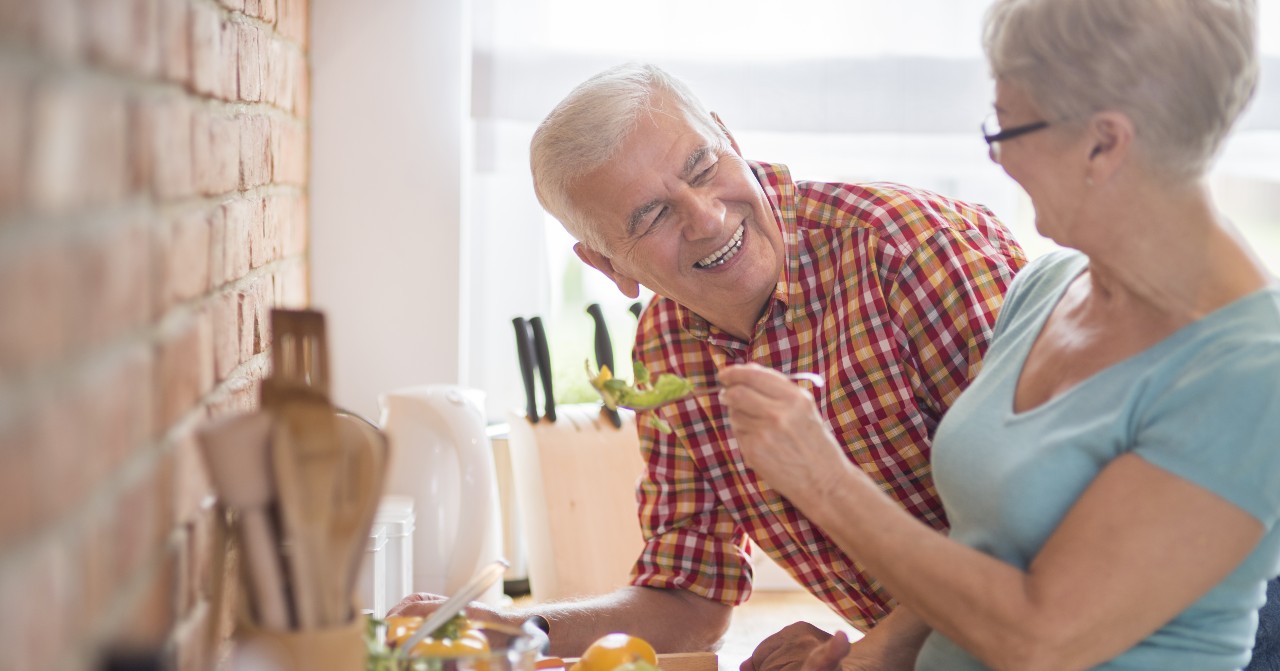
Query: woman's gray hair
1182	70
589	126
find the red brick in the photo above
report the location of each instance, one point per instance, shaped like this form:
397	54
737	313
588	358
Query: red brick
295	291
215	152
296	230
38	292
271	229
17	23
61	135
250	61
141	171
206	48
70	463
264	299
288	152
91	555
18	516
217	247
234	5
79	151
122	34
241	217
267	11
302	88
122	405
292	21
175	34
35	610
255	150
192	488
237	394
58	29
141	522
275	72
253	8
181	254
15	96
171	123
226	334
149	617
114	276
229	64
263	247
184	369
247	324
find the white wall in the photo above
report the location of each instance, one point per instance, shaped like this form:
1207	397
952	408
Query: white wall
390	109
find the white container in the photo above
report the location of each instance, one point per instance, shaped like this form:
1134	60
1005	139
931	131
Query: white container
395	514
372	592
442	459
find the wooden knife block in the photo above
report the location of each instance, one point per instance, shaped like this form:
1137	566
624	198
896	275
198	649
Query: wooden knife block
575	491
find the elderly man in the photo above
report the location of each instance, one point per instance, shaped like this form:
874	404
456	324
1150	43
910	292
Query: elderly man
888	292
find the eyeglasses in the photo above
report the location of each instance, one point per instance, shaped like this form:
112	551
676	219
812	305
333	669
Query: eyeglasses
994	135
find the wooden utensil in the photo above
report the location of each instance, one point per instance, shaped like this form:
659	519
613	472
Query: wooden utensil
236	458
307	458
365	453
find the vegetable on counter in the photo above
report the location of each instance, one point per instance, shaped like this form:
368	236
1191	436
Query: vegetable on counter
455	638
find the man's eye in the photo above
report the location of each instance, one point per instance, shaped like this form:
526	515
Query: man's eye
657	217
705	175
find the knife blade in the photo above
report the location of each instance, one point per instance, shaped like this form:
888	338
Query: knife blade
524	349
543	354
604	354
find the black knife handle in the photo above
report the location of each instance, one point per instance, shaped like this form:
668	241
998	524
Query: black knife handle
524	349
604	354
604	346
543	353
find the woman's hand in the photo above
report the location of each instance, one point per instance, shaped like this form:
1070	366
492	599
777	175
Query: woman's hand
780	431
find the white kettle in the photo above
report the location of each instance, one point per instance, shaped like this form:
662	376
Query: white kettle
442	458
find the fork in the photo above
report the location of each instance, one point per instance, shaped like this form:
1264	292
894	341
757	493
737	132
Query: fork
812	378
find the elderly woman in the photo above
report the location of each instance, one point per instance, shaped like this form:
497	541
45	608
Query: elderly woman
1112	476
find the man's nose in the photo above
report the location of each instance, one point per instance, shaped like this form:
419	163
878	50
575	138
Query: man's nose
706	216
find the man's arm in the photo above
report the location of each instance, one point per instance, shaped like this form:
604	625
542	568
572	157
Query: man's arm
671	620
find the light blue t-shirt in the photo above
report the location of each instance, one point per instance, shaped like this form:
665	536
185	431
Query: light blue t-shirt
1204	404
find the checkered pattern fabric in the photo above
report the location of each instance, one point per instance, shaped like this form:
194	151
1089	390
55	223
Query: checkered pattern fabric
891	294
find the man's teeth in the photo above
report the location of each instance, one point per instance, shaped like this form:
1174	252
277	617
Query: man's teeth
724	253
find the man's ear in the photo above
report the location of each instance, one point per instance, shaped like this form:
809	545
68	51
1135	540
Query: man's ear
1111	135
725	129
629	287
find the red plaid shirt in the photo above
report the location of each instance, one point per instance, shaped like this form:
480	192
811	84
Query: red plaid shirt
891	294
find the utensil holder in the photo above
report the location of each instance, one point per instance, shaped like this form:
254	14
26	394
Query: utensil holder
331	649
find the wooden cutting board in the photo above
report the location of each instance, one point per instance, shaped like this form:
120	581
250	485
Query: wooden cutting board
675	661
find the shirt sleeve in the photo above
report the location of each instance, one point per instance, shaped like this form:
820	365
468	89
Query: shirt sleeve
944	301
1217	424
691	541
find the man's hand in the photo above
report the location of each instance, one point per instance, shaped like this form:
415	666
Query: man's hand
422	604
798	647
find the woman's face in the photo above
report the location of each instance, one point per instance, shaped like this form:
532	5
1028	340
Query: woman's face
1045	163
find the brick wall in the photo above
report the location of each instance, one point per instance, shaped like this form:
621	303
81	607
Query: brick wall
153	176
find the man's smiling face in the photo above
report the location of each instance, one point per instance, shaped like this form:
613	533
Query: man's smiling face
682	213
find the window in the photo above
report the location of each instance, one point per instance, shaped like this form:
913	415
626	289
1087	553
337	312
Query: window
851	90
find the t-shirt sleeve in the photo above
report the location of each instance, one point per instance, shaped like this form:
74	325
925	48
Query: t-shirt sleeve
1217	424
